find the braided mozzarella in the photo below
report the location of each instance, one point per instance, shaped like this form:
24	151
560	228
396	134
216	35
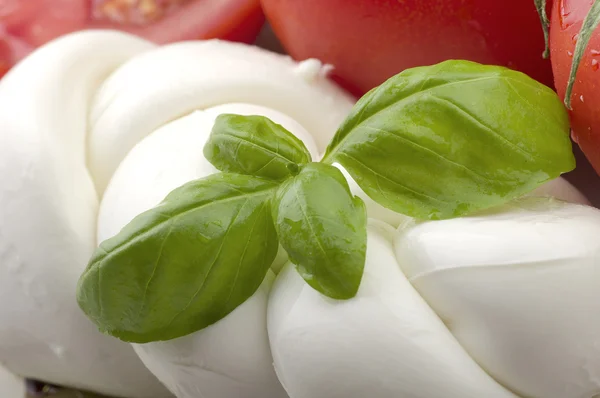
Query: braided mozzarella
98	127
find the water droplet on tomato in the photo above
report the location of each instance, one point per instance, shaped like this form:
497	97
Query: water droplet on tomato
563	15
595	65
570	54
581	98
574	38
594	52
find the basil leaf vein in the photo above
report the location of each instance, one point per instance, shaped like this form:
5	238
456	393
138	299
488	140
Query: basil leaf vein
322	226
185	264
254	145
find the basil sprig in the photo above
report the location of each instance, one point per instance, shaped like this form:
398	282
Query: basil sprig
188	262
431	142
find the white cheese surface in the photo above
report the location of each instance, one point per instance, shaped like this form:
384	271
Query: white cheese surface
87	100
519	289
172	81
11	386
386	342
70	114
48	211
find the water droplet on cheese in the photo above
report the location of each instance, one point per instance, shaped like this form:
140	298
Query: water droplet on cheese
58	350
10	257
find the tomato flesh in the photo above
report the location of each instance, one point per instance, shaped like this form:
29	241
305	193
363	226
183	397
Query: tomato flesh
133	12
566	20
368	41
27	24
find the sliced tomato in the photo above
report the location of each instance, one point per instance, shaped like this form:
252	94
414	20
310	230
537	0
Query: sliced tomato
27	24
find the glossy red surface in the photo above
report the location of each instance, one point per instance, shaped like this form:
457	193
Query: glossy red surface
567	18
369	41
27	24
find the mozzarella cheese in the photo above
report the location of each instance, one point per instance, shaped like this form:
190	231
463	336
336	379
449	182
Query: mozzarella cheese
11	386
519	289
99	126
386	342
172	81
561	189
48	211
72	113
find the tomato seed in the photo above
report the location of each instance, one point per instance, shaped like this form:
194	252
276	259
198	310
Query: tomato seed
134	12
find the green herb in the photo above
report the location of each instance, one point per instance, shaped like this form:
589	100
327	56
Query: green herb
431	142
322	226
442	141
256	146
590	23
184	264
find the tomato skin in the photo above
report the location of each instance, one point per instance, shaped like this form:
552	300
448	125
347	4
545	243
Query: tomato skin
27	24
369	41
566	20
200	19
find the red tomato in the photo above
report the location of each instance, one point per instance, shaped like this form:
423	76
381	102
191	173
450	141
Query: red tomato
27	24
368	41
567	17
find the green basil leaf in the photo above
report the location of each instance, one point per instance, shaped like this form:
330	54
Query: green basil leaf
323	229
254	145
540	5
184	264
590	23
442	141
